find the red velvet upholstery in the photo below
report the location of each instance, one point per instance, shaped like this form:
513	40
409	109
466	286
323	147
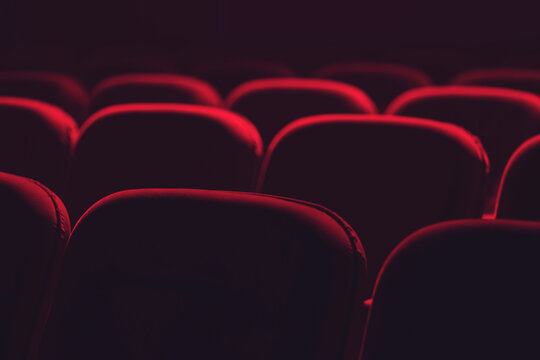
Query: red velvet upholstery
162	145
387	176
519	193
54	88
153	88
383	82
34	228
519	79
459	290
195	274
501	118
36	140
273	103
226	75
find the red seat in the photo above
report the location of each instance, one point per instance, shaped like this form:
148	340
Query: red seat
226	75
54	88
383	82
162	145
273	103
441	65
36	140
459	290
153	88
519	193
195	274
94	70
386	175
34	228
519	79
501	118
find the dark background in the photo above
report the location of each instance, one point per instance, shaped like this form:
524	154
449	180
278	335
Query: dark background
270	28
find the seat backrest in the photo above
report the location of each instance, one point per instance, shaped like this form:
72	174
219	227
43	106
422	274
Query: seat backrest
226	75
92	71
273	103
153	88
519	79
501	118
36	140
162	145
383	82
34	228
54	88
200	274
441	65
372	168
519	193
459	290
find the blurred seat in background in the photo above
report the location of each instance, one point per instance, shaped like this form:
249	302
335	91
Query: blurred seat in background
383	82
93	70
273	103
226	75
153	88
519	79
55	88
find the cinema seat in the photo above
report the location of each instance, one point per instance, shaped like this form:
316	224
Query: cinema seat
36	140
226	75
459	290
34	228
195	274
94	70
54	88
501	118
383	82
162	145
273	103
441	65
519	194
153	88
386	175
519	79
